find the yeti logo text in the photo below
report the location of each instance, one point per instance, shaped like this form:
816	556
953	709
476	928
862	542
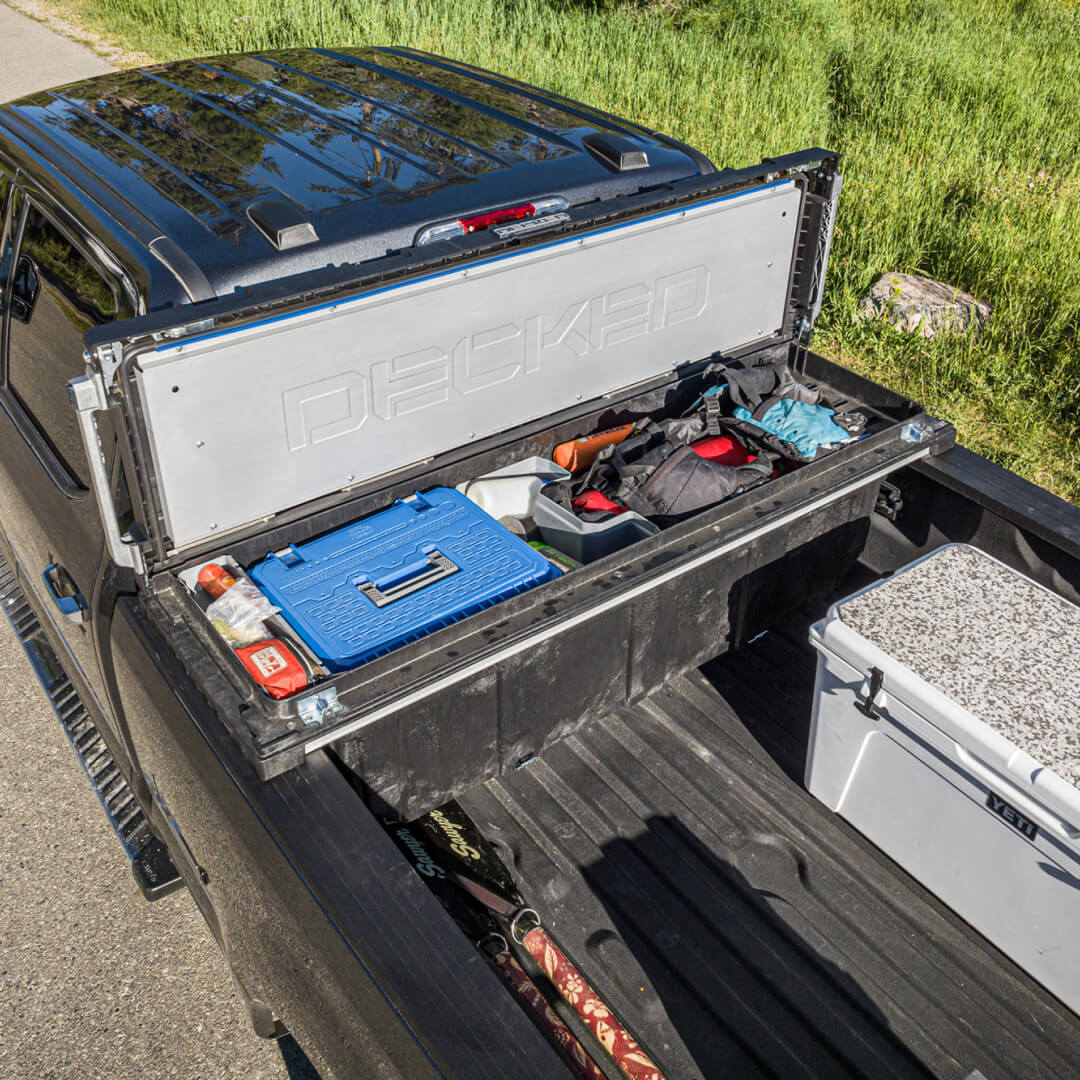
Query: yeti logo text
428	376
1012	815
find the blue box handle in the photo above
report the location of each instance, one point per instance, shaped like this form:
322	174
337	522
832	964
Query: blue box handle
408	579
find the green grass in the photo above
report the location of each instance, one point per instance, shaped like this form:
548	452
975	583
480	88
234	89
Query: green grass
958	122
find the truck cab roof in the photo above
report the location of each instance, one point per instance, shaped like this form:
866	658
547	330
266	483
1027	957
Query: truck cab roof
350	152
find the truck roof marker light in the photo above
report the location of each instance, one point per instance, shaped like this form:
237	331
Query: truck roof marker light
471	223
282	223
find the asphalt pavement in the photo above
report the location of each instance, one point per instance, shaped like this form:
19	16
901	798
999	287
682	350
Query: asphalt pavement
94	981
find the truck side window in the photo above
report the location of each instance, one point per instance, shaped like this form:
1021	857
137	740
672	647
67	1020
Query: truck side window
56	296
6	240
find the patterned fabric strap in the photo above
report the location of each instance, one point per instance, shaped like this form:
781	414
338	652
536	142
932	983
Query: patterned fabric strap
516	976
601	1021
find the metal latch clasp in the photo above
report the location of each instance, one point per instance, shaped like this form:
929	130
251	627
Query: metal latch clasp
315	708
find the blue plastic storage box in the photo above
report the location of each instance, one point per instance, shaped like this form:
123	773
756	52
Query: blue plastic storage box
422	564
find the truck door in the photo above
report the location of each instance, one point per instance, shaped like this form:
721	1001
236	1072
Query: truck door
54	292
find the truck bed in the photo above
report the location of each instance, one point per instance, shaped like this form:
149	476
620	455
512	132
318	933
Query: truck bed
741	928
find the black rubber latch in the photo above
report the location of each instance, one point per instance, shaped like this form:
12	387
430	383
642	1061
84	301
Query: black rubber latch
616	152
867	706
889	502
154	871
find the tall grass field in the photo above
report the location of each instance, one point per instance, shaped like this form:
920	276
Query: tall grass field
958	122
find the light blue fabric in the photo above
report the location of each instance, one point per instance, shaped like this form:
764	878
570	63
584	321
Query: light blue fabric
806	427
711	392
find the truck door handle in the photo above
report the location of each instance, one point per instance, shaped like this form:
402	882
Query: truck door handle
65	593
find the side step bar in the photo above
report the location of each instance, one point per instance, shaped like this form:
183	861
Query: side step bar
150	863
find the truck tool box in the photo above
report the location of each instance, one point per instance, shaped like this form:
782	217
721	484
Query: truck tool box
431	367
945	730
427	561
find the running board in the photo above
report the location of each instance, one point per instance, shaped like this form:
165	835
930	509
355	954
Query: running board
150	863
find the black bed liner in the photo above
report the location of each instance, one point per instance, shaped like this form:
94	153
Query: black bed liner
740	927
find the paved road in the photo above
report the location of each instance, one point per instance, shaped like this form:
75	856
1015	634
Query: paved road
94	981
34	58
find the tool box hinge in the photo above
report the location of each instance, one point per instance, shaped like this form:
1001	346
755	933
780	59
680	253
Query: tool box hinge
824	246
108	359
88	396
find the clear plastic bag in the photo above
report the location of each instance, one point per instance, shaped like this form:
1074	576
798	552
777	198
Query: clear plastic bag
239	614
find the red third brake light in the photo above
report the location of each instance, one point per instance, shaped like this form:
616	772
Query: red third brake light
472	223
476	222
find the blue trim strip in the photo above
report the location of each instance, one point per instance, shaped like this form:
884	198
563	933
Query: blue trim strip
471	266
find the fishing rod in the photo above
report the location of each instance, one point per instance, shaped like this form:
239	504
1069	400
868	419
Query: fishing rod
483	930
465	858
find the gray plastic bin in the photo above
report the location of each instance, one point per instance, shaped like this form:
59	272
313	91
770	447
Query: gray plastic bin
517	491
945	730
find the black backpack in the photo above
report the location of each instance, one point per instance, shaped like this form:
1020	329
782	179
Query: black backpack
657	474
757	390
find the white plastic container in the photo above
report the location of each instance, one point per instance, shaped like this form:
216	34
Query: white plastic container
512	490
945	729
516	491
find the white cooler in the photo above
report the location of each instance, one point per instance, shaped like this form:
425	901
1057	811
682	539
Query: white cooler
946	730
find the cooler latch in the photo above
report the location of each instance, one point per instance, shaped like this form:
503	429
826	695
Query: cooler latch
867	705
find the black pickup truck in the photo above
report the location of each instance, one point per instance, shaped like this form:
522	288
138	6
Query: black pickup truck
249	300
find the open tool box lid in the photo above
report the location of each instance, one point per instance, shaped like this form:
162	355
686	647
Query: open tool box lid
255	408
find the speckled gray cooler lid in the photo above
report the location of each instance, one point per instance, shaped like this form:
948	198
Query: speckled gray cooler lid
1002	647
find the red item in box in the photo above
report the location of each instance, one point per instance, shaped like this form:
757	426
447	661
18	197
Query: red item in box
216	580
722	449
273	665
592	500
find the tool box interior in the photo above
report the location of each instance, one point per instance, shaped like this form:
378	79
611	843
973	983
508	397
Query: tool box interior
483	694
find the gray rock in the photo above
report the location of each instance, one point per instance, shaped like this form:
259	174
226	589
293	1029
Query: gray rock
921	304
